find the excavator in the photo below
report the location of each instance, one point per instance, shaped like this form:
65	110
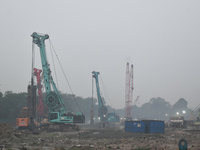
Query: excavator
103	114
52	98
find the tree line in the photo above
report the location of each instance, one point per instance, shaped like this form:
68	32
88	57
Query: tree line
157	108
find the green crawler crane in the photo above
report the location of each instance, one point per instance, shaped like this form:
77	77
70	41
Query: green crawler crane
53	99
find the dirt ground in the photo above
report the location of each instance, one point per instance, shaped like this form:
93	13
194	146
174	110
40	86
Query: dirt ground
96	139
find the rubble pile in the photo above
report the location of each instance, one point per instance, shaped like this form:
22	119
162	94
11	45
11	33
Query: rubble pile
97	139
6	131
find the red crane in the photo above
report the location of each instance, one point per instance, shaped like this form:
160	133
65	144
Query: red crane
41	109
129	92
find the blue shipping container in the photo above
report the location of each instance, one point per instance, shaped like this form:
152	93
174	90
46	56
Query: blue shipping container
154	126
135	126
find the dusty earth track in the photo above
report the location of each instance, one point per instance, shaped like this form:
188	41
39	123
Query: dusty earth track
96	139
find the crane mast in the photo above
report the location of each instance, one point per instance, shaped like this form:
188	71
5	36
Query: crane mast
131	84
129	92
53	99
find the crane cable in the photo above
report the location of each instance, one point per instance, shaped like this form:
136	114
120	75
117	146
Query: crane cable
105	91
61	66
54	65
64	74
195	108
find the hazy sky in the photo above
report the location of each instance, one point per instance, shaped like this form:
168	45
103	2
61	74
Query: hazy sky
160	38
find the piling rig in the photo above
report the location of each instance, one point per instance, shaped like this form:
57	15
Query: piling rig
52	98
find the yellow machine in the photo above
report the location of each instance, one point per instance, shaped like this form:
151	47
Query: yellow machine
24	121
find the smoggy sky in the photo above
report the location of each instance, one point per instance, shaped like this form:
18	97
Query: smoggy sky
160	38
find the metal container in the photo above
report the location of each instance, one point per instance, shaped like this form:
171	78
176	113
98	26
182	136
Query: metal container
135	126
154	126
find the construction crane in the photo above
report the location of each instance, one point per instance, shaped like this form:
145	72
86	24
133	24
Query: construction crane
53	99
103	114
102	109
128	92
